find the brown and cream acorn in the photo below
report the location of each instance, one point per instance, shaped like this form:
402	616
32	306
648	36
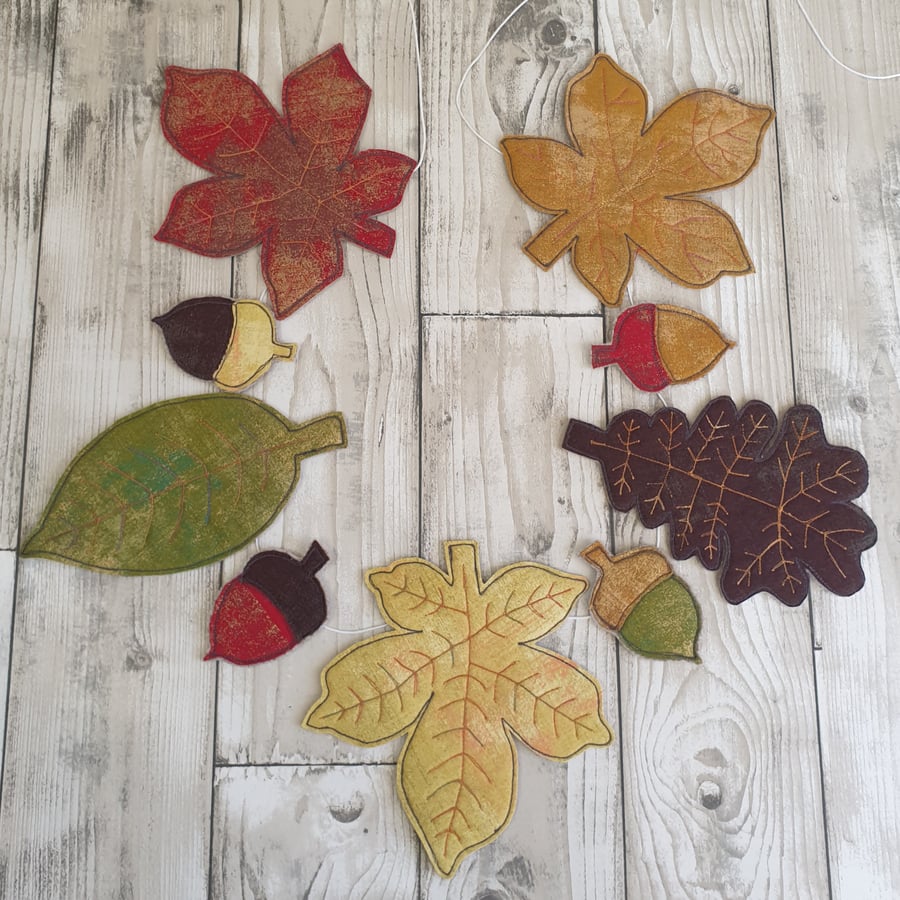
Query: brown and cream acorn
230	342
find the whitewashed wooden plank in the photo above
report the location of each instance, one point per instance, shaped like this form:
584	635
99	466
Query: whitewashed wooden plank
357	351
839	139
7	588
316	832
721	765
497	393
107	780
473	221
26	49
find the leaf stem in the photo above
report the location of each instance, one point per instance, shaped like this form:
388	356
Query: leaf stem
318	435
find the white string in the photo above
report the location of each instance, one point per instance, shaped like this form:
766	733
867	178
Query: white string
502	25
354	630
376	627
831	55
467	72
423	132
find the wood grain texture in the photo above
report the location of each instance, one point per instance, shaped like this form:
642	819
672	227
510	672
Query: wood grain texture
496	395
107	781
473	221
714	784
357	348
311	831
839	137
7	593
27	32
719	758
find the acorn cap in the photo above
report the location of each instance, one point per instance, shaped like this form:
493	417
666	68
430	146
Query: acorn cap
251	347
291	586
624	579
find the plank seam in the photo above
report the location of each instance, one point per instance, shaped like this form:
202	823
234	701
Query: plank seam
215	710
787	297
301	765
25	431
514	315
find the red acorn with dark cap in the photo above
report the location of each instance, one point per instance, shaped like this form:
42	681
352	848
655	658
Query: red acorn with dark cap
269	608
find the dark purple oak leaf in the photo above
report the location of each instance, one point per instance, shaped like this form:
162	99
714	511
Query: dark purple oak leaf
767	504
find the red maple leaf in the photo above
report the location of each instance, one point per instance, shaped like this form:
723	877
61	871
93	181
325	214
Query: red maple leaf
290	182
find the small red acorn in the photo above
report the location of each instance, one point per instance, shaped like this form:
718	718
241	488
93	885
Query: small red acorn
656	346
269	608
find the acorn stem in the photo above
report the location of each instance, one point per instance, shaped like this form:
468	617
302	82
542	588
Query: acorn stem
597	555
604	355
283	351
315	558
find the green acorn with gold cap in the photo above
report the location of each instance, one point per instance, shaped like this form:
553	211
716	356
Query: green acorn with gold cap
638	597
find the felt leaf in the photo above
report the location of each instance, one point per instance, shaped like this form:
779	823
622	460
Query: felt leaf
458	674
229	342
766	503
178	484
656	346
638	598
289	182
625	187
269	608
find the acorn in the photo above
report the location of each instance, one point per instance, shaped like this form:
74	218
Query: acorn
656	346
639	598
230	342
269	608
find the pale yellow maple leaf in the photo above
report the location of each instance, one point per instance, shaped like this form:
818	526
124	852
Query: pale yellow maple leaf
459	675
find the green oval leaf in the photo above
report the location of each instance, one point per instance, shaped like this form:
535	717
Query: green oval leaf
177	485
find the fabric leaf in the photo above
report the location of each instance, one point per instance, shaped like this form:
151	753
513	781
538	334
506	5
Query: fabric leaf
291	183
767	504
178	484
459	686
625	188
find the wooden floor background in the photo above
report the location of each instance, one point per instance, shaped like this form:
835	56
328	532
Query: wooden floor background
133	769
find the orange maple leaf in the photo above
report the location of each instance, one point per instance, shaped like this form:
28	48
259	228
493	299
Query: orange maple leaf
458	673
627	187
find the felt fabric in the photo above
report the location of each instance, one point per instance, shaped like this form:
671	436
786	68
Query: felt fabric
246	627
178	484
657	346
626	187
229	342
290	182
638	597
767	503
197	333
269	608
459	674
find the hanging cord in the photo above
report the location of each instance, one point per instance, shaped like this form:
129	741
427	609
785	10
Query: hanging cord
833	58
355	630
423	132
468	71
